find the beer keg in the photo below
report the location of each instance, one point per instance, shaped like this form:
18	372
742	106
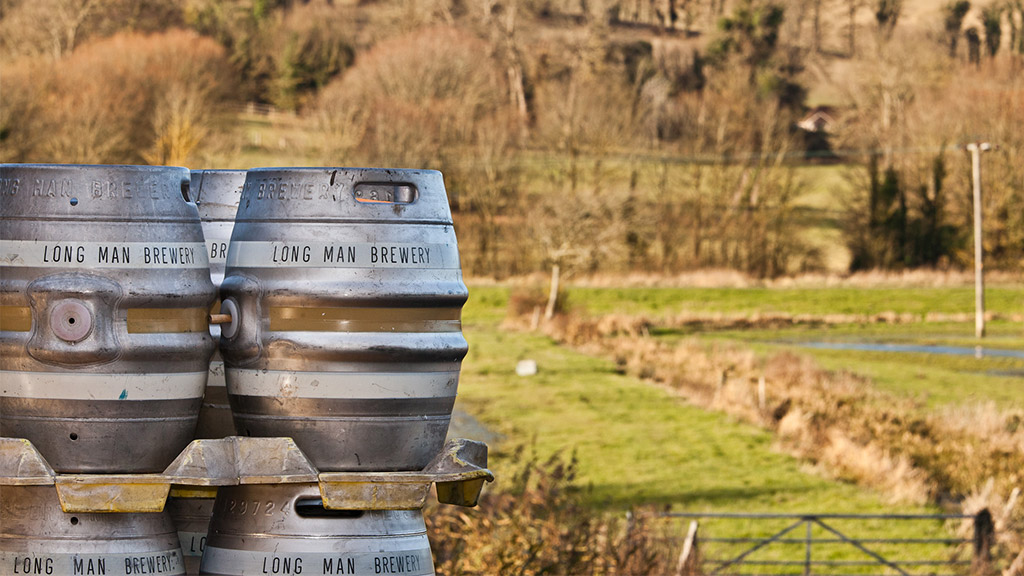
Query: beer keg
284	529
346	294
36	537
104	295
216	193
191	518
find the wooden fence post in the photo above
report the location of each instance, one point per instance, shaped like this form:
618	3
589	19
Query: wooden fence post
984	537
688	558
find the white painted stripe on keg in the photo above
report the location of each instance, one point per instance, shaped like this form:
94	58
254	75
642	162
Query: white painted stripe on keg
216	377
87	386
192	543
217	251
416	562
167	562
72	254
348	385
342	255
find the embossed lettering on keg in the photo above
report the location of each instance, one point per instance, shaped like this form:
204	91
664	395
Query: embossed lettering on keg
217	193
284	529
346	293
104	295
36	537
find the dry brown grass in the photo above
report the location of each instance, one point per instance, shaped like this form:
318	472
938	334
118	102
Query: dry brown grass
537	523
971	455
719	278
1007	519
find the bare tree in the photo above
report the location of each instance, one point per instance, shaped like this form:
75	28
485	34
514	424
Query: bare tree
953	15
887	14
991	18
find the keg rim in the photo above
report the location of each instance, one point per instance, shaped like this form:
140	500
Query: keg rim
139	167
314	169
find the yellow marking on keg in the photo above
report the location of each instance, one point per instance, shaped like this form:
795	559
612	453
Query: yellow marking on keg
322	319
167	320
112	493
193	491
460	493
15	318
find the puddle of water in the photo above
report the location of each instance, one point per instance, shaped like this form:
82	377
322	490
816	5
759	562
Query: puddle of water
977	352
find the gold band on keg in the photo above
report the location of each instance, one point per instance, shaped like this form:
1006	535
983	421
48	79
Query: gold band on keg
140	320
15	318
349	319
167	320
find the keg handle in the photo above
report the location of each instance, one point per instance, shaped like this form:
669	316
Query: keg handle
385	193
228	318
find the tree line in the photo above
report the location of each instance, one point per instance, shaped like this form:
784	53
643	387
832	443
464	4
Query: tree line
603	136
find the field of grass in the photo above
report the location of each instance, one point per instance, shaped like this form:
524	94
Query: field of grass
935	380
636	443
815	301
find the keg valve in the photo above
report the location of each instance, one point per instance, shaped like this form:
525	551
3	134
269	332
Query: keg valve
71	320
227	318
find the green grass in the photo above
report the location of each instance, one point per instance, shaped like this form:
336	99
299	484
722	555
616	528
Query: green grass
639	445
636	443
817	301
821	214
935	380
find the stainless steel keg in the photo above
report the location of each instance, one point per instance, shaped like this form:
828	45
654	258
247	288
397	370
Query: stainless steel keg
346	295
284	529
36	537
191	517
217	193
104	297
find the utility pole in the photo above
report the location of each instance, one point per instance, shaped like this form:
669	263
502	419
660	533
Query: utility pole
976	149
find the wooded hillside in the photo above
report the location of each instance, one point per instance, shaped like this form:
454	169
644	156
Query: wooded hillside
602	135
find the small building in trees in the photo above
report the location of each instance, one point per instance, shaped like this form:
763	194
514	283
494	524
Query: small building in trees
817	127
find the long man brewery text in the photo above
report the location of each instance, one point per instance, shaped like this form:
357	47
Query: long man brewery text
104	254
342	255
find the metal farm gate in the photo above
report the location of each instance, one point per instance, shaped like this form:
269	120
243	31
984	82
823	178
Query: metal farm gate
833	544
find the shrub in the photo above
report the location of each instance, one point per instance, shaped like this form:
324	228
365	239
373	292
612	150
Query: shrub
538	524
126	99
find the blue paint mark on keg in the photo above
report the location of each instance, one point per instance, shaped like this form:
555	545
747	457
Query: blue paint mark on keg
124	394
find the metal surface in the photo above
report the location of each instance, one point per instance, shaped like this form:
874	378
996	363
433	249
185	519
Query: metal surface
104	275
458	472
237	460
284	529
217	193
36	537
191	518
348	293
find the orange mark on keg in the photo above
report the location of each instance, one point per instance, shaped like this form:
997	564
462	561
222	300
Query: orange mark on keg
324	319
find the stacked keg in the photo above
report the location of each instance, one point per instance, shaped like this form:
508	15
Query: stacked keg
217	193
104	352
345	295
341	298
